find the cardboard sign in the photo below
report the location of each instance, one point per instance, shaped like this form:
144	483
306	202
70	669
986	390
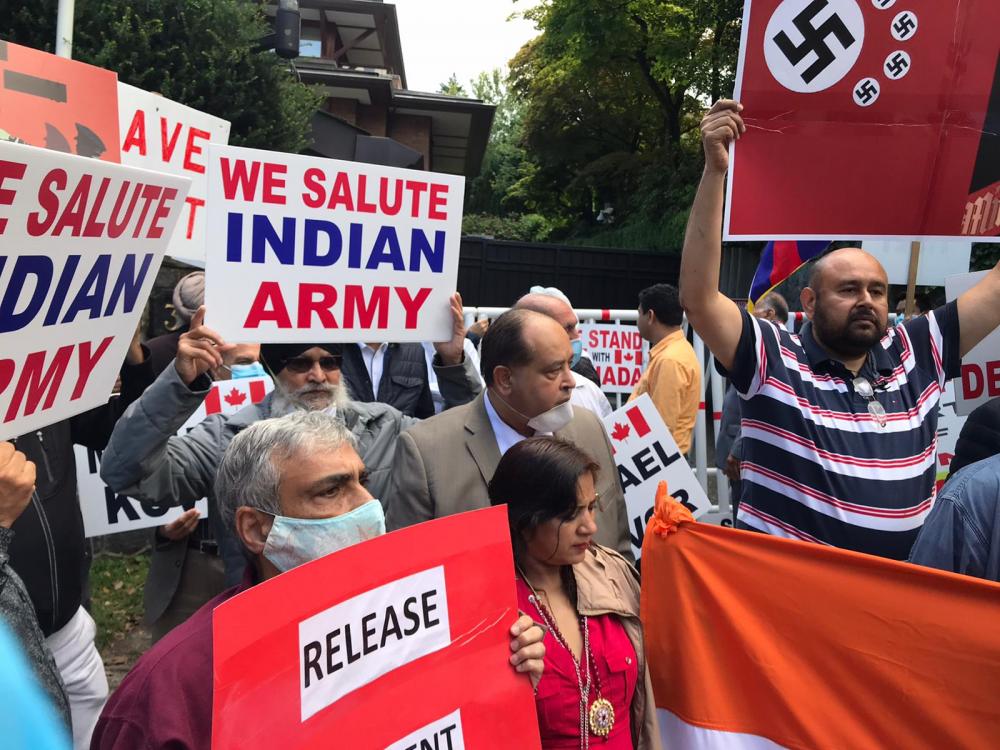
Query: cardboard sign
980	379
59	104
938	259
867	119
646	454
398	642
304	249
161	134
619	355
105	512
949	426
81	241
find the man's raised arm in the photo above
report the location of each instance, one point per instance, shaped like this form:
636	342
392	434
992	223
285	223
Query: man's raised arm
979	311
714	316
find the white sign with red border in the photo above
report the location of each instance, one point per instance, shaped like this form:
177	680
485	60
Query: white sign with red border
980	380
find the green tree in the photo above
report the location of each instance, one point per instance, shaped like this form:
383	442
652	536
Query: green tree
452	87
203	53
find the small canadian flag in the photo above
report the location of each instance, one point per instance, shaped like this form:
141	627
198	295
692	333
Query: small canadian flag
628	357
232	395
636	421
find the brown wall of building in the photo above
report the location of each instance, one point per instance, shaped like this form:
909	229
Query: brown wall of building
415	132
345	109
372	119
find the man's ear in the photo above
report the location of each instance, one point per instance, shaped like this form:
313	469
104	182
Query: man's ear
502	379
808	300
252	527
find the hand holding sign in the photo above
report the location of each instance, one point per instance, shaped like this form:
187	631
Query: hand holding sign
17	482
452	351
529	651
199	350
720	127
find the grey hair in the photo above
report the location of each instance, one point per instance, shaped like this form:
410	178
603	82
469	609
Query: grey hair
248	474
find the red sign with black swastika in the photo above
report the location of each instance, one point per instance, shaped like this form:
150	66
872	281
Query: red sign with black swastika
59	104
868	118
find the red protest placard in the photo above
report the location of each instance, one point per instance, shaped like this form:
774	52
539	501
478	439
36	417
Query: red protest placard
867	118
59	104
398	640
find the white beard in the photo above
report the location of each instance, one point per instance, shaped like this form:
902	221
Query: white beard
285	403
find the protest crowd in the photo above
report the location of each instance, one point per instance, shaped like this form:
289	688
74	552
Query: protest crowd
364	492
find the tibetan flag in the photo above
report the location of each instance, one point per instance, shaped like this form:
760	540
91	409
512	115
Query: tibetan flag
780	260
763	643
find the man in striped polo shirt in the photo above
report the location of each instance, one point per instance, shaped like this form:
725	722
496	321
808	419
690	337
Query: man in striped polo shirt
839	422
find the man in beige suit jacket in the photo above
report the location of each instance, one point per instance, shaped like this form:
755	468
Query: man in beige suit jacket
443	464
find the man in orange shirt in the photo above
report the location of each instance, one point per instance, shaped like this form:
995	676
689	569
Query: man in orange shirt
673	377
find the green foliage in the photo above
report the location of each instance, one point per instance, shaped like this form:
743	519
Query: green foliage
516	227
609	99
116	584
203	53
452	87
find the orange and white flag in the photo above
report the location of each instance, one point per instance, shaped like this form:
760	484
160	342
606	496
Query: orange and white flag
756	642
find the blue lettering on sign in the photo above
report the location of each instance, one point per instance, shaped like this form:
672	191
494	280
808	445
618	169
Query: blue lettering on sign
322	244
26	292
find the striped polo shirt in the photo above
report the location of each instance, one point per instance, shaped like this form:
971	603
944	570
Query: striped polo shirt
816	465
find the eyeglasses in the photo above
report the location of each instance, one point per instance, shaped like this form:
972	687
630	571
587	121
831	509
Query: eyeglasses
864	389
300	365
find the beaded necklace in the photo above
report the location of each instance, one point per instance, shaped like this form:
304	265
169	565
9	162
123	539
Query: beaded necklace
601	713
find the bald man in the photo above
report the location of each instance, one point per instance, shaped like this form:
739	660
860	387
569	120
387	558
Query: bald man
839	423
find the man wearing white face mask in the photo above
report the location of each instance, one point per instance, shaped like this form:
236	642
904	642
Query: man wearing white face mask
442	465
292	489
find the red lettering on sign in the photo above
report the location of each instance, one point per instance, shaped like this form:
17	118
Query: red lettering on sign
274	180
193	205
136	135
162	211
412	305
354	304
313	182
439	200
9	170
316	298
268	306
237	176
193	149
167	145
87	363
364	205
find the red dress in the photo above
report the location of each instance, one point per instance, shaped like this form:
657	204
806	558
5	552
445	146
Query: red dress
558	699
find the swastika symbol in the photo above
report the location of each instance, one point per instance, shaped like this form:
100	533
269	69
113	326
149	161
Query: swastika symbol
866	91
904	25
883	4
814	40
897	64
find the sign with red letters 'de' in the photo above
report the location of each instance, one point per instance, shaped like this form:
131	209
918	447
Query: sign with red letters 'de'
619	355
980	379
646	454
105	512
306	249
158	133
398	642
867	119
81	241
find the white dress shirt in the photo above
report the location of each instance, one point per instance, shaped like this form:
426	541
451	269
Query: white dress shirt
374	363
588	396
507	437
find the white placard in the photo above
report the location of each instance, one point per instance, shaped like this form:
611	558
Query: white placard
646	454
938	259
619	354
104	512
306	249
980	380
161	134
357	641
443	734
81	242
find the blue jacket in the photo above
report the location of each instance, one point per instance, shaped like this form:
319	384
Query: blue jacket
962	532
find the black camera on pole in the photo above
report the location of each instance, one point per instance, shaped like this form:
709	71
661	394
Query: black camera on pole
287	29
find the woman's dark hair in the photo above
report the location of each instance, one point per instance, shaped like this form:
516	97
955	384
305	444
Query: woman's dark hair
537	479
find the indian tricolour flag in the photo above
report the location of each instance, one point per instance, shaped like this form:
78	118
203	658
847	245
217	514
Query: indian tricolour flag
759	643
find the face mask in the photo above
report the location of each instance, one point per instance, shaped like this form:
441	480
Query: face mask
554	419
296	541
577	345
253	370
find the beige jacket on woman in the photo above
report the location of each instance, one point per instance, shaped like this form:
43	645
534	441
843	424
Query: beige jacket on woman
607	584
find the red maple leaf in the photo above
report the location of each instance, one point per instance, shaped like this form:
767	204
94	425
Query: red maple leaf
235	397
620	432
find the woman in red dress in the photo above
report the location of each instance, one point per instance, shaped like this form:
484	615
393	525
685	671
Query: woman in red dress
595	691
